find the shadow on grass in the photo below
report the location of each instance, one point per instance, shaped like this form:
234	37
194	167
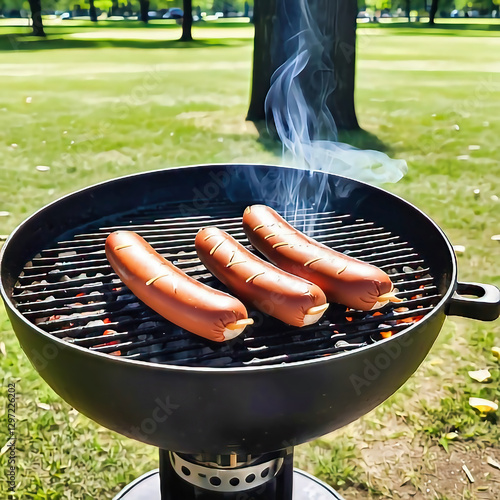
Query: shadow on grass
451	29
361	139
30	43
77	24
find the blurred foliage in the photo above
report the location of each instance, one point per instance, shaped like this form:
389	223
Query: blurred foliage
445	6
208	6
372	7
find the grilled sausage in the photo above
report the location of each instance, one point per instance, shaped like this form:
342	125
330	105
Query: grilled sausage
344	280
286	297
173	294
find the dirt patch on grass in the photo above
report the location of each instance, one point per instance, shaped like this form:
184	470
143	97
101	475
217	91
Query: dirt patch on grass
396	469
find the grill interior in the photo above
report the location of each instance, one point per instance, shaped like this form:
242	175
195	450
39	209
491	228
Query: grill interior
70	291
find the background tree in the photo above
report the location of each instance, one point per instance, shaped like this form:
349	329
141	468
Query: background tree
36	16
338	23
187	21
433	11
144	14
92	11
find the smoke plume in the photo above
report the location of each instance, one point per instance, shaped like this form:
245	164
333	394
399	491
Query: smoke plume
306	127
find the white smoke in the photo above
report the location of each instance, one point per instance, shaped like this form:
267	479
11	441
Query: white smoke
307	129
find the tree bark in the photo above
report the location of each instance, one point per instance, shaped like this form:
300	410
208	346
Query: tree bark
144	10
341	101
36	16
408	9
433	11
264	12
336	20
92	11
187	21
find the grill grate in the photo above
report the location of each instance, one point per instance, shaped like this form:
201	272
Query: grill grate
71	292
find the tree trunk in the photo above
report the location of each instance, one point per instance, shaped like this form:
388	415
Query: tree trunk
187	21
36	16
144	10
264	12
336	21
433	11
92	11
408	9
341	15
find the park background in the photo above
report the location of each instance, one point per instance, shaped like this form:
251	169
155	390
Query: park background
90	102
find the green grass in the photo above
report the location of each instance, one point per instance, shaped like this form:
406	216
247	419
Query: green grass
103	105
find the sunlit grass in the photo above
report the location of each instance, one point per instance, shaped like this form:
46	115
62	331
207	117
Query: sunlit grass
135	101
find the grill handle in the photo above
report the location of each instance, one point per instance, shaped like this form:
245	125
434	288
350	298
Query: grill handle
484	305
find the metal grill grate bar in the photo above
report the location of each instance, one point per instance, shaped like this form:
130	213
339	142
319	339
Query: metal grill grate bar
322	222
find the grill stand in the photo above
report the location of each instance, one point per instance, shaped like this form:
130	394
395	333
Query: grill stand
287	484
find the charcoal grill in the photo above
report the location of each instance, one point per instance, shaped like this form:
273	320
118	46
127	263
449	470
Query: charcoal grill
228	414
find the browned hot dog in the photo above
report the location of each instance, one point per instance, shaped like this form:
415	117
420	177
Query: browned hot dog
344	280
290	299
172	293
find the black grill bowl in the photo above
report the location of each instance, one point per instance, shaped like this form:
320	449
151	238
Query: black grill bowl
245	409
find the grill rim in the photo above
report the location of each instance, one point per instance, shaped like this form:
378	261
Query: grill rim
438	309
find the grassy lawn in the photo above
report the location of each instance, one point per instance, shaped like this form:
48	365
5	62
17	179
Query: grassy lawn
430	96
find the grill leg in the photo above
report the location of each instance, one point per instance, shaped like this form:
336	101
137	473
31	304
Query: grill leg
284	480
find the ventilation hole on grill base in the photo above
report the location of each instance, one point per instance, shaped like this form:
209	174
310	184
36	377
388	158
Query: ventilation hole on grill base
265	473
185	471
250	478
234	481
215	481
